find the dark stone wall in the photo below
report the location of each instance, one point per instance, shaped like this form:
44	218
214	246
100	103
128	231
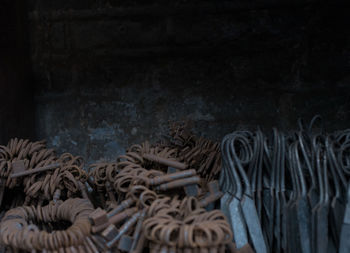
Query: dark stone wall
113	73
17	109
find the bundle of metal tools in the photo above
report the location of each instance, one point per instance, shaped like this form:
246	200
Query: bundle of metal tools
151	199
160	197
287	192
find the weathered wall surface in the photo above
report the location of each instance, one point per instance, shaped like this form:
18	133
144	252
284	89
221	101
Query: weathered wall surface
17	111
113	73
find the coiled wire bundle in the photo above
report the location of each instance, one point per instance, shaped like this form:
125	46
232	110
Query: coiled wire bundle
34	154
179	225
127	188
142	184
63	179
181	146
40	187
103	174
20	227
200	153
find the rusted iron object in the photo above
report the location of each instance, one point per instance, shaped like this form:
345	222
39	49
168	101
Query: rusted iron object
27	166
19	169
213	186
184	226
210	198
100	216
19	233
191	190
178	183
110	192
137	232
113	236
122	206
125	193
171	177
113	220
165	162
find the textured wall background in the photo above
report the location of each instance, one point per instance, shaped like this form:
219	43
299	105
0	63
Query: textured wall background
17	109
113	73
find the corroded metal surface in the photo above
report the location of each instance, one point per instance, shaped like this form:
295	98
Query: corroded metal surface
152	197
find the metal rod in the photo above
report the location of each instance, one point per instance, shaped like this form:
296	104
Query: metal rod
36	170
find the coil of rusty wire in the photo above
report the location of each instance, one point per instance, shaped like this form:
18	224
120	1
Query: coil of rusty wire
18	229
184	225
40	187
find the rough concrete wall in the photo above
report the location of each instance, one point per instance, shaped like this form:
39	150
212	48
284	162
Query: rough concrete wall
113	73
17	109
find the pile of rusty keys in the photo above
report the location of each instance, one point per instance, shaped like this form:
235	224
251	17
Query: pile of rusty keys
65	209
30	168
139	181
183	226
140	186
287	193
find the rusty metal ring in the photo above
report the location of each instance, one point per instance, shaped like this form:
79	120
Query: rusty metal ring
203	237
147	198
136	191
30	237
123	184
170	234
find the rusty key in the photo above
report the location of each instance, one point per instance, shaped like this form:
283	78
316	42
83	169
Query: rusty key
113	235
171	170
100	215
82	188
179	183
210	198
213	186
100	242
171	177
190	190
91	245
128	243
19	169
166	162
102	222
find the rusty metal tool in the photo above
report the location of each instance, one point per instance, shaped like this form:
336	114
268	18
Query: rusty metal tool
132	244
112	235
213	195
171	177
178	183
99	216
166	162
190	190
101	222
19	169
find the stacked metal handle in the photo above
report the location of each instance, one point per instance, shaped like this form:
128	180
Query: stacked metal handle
287	192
